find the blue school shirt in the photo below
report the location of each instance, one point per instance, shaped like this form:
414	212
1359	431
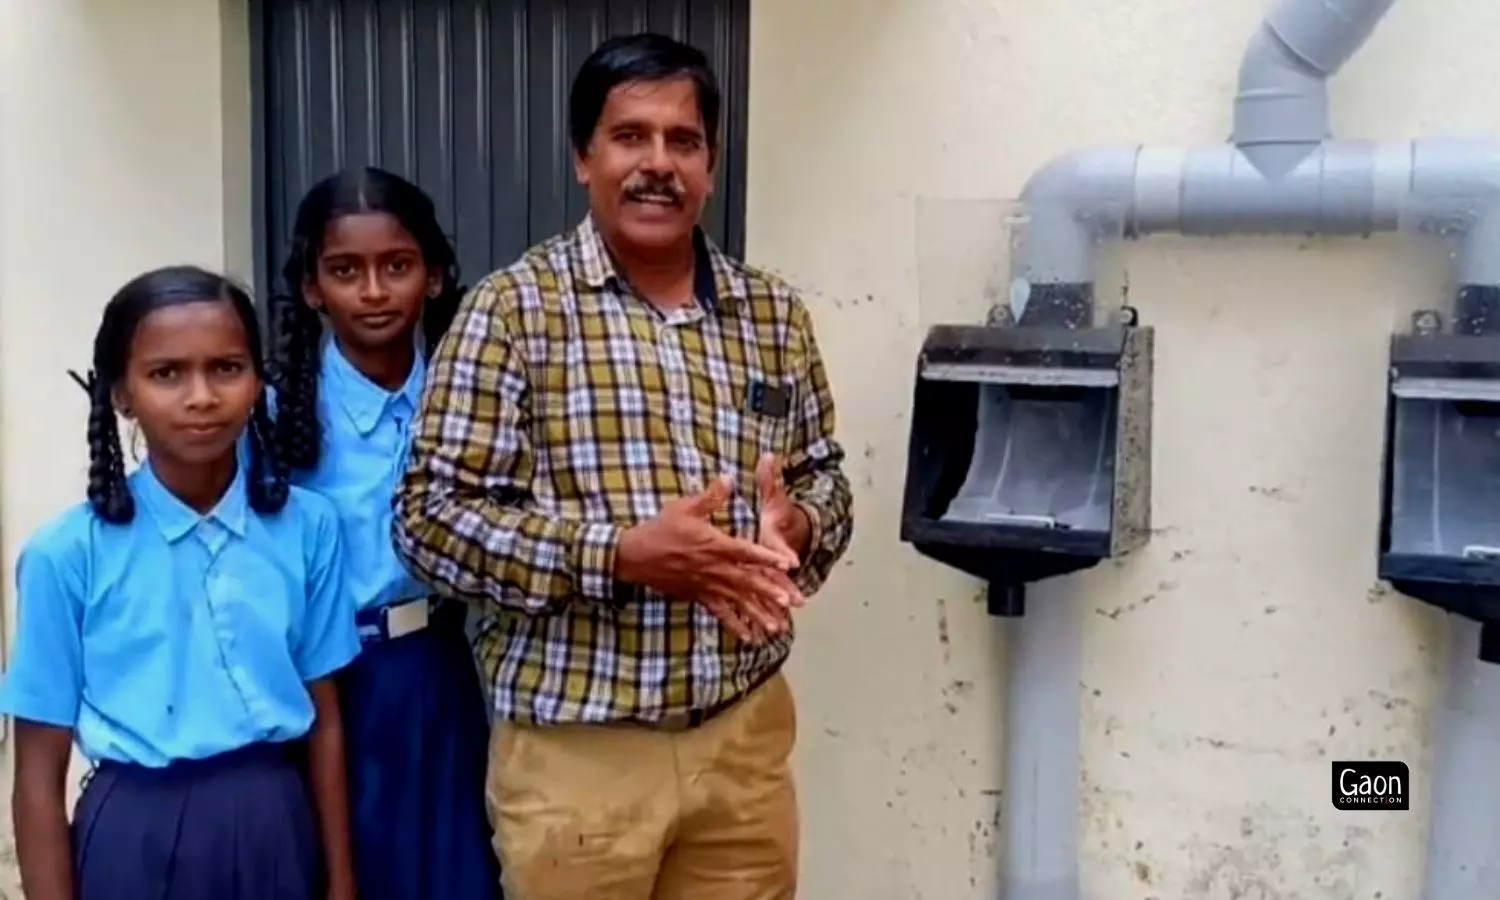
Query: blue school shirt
179	636
366	438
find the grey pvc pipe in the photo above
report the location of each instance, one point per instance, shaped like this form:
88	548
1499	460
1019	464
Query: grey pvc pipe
1281	174
1463	850
1281	108
1044	659
1438	186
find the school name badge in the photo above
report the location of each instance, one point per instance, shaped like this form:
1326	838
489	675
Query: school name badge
1381	784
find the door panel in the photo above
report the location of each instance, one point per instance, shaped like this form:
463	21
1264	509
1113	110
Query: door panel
469	99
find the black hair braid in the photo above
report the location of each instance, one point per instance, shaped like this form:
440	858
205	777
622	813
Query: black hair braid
297	434
108	492
268	486
297	361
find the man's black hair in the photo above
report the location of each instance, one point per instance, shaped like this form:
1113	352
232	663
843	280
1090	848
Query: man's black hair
639	57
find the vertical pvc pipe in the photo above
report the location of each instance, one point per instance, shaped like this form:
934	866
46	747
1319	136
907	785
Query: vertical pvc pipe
1463	851
1044	656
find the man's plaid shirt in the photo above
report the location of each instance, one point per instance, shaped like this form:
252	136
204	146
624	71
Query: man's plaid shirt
561	408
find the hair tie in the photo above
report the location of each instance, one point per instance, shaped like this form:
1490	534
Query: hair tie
87	383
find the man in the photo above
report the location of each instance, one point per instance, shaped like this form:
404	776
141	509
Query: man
626	451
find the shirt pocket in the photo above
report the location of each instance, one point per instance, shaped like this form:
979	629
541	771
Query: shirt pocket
744	433
134	617
745	429
771	433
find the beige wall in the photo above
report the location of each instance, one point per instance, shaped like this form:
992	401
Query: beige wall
1249	646
1225	666
112	161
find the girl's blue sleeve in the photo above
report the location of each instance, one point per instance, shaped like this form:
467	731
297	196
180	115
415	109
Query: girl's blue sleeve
330	638
45	680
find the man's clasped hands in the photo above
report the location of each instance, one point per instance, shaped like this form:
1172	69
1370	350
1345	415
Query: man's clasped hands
746	584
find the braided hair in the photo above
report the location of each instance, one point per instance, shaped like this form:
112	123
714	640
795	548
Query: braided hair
108	492
298	328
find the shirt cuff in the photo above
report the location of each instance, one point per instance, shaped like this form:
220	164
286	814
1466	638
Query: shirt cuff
595	547
32	707
339	652
815	528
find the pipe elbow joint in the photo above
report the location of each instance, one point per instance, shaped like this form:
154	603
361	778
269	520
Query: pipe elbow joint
1281	106
1069	206
1083	179
1455	190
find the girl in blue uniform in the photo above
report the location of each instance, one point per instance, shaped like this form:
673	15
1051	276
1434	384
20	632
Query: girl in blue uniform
182	626
369	257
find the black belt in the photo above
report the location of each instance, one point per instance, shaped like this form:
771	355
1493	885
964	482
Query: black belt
694	718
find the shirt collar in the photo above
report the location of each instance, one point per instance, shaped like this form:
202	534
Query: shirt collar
175	518
715	277
362	399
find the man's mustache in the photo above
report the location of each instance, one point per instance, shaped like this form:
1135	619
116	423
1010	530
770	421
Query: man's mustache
643	188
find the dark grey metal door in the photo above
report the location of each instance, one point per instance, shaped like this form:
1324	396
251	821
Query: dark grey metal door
468	98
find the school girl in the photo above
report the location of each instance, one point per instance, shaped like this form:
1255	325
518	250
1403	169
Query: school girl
370	259
182	626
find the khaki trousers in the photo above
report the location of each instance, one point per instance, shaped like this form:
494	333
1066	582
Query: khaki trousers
625	812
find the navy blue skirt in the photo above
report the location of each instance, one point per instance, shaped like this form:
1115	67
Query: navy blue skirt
417	740
238	826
